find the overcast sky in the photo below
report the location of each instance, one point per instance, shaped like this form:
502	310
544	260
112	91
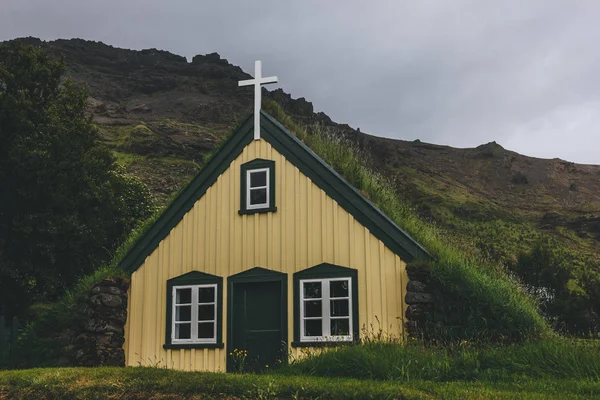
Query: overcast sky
523	73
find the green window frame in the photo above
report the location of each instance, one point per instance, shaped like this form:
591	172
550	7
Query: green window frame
248	186
319	308
195	283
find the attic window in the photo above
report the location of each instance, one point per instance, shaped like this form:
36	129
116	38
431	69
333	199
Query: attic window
257	187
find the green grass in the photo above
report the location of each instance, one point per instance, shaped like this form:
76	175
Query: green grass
484	303
542	359
476	299
144	383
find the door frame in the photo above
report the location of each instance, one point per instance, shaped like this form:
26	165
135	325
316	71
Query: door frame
256	274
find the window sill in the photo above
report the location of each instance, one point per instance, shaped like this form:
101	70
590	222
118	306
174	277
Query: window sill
194	346
323	344
257	211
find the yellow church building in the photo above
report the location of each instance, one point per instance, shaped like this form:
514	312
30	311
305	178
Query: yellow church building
268	250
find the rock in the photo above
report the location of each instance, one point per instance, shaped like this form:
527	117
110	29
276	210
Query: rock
141	108
418	271
416	312
413	328
105	299
97	325
416	286
107	289
519	178
418	298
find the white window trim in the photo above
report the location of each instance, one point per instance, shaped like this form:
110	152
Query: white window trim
194	328
248	188
326	311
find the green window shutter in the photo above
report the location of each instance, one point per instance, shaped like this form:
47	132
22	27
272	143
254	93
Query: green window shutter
194	278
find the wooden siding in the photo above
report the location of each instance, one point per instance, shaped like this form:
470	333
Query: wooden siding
307	229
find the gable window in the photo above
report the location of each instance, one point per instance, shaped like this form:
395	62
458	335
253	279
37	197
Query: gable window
257	195
325	305
257	187
194	311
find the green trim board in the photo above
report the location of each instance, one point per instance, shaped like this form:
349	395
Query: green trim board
296	152
257	164
325	271
254	275
194	278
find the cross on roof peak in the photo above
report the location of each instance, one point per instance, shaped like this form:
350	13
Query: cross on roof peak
257	82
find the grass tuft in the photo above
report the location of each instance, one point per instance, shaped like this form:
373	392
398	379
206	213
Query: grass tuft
476	299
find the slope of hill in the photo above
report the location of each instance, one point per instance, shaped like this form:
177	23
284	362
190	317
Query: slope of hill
161	114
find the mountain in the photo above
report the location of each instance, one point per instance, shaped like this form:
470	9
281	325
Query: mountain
161	115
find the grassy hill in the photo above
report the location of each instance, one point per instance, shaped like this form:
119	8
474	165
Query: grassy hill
162	116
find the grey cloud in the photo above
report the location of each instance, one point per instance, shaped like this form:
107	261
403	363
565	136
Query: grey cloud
460	73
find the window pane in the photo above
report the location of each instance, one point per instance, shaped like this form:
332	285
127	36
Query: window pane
313	327
338	288
258	179
206	295
206	330
313	308
339	308
184	296
183	313
258	196
183	331
312	290
340	327
206	313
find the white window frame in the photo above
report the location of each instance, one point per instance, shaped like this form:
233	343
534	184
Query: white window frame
194	317
326	311
249	187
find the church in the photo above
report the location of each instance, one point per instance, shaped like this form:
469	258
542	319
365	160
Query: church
267	251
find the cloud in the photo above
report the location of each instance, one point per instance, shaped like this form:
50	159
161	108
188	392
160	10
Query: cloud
460	73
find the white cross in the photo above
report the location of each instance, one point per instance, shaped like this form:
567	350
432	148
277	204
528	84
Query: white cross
258	81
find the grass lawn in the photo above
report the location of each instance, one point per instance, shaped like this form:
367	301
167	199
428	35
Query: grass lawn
144	383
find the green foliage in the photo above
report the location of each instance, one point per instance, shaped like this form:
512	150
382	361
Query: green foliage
65	206
567	286
546	359
476	299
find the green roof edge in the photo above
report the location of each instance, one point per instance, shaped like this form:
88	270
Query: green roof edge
309	163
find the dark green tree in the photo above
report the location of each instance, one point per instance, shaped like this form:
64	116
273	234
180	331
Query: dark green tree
566	284
64	204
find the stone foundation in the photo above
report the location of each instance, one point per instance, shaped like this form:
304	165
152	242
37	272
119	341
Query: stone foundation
419	299
101	342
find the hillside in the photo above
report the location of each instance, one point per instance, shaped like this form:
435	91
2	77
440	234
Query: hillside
161	115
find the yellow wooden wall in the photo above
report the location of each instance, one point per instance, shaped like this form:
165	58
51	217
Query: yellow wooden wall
307	229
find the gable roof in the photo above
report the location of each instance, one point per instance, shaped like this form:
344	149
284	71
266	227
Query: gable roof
311	165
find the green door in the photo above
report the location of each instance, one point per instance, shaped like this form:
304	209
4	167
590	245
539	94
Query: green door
257	326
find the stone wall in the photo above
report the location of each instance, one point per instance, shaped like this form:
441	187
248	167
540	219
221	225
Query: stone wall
101	342
419	300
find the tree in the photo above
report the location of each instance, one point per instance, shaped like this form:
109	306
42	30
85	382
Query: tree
567	286
64	204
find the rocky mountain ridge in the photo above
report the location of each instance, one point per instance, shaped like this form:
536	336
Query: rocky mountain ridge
161	114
